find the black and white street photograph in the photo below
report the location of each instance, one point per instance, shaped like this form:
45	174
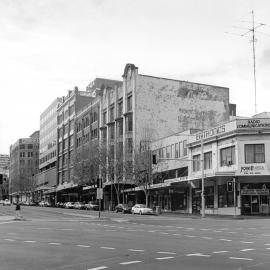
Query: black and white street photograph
134	135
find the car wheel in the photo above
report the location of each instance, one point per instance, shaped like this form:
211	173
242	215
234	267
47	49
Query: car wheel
132	212
140	212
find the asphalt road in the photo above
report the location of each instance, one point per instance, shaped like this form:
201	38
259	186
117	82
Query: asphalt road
63	239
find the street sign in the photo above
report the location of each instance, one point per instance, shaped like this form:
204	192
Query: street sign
99	193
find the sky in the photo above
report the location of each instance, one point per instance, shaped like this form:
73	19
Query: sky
49	46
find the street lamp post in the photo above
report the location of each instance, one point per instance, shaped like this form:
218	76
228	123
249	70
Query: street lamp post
202	169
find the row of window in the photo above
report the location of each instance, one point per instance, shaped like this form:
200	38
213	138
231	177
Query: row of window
27	146
175	150
47	157
65	114
26	154
85	122
254	153
86	137
65	159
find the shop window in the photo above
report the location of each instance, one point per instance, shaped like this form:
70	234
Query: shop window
196	161
208	160
225	199
227	156
209	197
254	153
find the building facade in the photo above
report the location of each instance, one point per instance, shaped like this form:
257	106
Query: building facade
4	176
46	179
24	165
236	151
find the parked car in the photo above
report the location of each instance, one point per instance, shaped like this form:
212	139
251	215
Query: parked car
60	204
1	202
69	205
141	209
79	205
42	203
123	208
7	202
92	205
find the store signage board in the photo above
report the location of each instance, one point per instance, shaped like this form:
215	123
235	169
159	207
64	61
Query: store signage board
256	123
253	169
255	192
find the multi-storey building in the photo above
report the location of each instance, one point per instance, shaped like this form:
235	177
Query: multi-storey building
235	151
24	165
66	113
47	177
141	109
4	176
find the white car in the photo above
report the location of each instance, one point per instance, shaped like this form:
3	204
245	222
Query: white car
7	202
141	209
69	205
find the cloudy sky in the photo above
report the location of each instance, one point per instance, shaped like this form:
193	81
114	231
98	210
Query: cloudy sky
49	46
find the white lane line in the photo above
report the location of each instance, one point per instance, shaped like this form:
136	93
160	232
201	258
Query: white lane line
179	227
10	240
190	229
247	249
82	246
107	247
236	258
252	228
267	244
166	252
205	229
130	262
190	236
246	242
65	229
53	243
206	237
111	230
163	233
176	234
231	232
217	231
151	231
222	251
29	241
226	240
267	248
6	222
98	268
43	228
265	234
198	254
164	258
136	250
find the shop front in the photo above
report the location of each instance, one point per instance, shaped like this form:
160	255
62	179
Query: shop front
255	201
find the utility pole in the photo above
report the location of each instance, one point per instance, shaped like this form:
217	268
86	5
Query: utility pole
202	169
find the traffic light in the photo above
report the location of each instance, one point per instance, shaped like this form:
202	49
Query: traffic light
154	159
230	186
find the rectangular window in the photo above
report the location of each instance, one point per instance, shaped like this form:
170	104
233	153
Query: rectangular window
176	150
65	129
129	145
129	103
71	141
168	152
172	151
22	154
30	146
111	132
160	153
208	160
111	114
129	123
71	125
196	161
185	148
227	156
104	117
180	149
120	108
22	146
120	128
254	153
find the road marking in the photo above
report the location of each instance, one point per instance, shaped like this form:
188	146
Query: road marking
53	243
267	248
198	254
5	222
151	231
190	236
11	240
136	250
166	252
179	227
245	242
64	229
107	247
205	229
29	241
267	244
245	259
43	228
265	234
176	234
164	258
206	237
110	230
252	228
227	240
222	251
217	231
82	246
231	232
98	268
247	249
130	262
163	233
190	229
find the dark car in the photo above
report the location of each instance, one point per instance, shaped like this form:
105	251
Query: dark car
123	208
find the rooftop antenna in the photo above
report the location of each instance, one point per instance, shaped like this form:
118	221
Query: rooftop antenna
251	31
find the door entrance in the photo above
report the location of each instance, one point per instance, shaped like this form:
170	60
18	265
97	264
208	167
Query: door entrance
255	204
